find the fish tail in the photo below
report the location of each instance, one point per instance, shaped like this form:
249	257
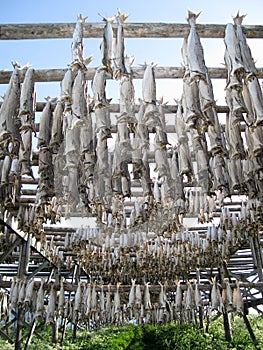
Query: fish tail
191	19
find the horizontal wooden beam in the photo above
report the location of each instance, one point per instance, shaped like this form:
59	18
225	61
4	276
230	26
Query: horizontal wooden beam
53	75
20	31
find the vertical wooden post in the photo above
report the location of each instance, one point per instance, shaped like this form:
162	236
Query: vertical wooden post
258	253
54	326
63	331
200	309
251	333
227	327
22	268
76	281
30	335
74	334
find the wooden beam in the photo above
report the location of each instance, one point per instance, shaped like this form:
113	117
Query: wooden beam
6	336
251	333
54	75
9	251
40	268
30	334
131	30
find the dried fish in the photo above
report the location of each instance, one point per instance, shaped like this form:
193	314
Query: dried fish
149	85
246	55
147	297
61	298
27	97
227	296
256	98
9	109
79	103
233	51
56	130
107	44
119	46
40	301
178	297
77	46
45	125
66	88
29	293
238	303
195	53
51	307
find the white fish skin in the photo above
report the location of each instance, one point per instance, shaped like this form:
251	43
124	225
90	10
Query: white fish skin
215	302
180	124
227	296
178	297
40	302
256	97
149	84
98	88
56	130
79	94
127	102
238	303
45	126
132	294
103	122
10	106
51	308
191	103
29	293
138	295
66	87
147	297
27	94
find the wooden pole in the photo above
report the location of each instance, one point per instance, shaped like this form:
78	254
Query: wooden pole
54	326
63	331
6	336
30	335
200	308
52	75
131	30
227	327
251	333
22	268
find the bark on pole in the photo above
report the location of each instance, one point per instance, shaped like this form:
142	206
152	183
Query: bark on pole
131	30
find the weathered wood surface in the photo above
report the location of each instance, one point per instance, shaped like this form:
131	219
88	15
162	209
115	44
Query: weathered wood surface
131	30
52	75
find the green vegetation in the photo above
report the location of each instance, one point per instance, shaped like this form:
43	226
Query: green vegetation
150	337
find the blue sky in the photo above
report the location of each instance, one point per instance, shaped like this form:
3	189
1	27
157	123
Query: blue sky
56	53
